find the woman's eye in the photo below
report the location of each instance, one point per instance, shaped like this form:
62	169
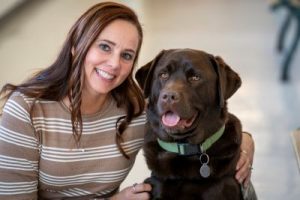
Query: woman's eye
164	75
104	47
127	56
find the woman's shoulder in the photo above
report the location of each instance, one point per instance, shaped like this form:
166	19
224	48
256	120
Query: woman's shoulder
18	99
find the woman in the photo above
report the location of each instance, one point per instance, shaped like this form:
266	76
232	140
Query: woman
73	130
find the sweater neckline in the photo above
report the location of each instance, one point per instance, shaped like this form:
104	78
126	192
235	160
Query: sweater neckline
108	105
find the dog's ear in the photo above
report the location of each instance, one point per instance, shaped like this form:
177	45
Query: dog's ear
144	75
229	81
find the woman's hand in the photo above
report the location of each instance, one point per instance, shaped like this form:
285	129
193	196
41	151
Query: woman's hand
244	165
137	191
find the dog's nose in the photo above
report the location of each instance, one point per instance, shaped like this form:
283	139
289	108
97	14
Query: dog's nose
170	97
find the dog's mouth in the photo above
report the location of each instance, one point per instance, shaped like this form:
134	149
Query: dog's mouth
172	120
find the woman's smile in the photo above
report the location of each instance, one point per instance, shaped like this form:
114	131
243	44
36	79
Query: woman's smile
104	74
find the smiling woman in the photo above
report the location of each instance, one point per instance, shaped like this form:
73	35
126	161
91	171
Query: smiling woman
109	61
73	130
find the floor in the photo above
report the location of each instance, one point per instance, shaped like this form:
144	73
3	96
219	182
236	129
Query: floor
243	32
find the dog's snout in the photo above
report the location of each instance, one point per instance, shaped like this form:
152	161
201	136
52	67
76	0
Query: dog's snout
170	96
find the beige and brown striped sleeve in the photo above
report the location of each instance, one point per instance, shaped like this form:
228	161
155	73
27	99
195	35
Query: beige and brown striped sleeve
18	152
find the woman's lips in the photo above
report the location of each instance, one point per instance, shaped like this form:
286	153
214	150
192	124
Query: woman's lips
105	74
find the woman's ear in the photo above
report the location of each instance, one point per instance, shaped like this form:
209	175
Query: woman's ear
72	51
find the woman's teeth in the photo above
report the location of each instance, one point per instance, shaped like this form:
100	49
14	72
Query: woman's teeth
104	74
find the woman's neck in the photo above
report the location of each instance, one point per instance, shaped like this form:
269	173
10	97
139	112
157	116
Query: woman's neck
89	104
92	105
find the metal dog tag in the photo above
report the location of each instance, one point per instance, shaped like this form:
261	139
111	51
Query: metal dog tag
204	170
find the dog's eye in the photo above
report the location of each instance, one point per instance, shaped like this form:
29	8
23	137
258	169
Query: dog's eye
194	78
164	75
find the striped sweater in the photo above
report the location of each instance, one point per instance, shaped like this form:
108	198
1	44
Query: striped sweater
39	158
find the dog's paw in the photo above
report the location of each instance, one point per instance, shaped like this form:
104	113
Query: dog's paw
156	188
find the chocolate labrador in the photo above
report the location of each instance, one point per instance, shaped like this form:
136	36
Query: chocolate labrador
192	143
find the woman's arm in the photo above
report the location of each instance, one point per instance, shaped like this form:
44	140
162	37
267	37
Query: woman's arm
244	165
18	152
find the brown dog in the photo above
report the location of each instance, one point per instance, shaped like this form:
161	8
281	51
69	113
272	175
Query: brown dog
192	143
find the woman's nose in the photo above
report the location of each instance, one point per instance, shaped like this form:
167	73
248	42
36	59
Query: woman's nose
114	61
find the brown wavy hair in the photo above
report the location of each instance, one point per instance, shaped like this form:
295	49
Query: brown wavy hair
65	77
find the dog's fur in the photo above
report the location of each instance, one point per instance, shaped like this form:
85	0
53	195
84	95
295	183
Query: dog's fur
193	85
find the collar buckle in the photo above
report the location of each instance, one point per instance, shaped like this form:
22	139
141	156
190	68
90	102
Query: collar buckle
188	149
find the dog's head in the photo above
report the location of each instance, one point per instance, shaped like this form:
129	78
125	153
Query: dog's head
187	91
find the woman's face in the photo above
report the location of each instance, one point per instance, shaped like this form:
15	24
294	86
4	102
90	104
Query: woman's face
109	60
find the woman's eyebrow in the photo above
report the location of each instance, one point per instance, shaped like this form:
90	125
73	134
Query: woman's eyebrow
108	41
114	44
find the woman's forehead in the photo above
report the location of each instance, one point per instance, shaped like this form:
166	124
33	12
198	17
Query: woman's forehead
122	33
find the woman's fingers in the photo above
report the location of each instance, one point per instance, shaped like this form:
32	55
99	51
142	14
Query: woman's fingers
135	192
142	187
139	191
247	146
243	168
244	165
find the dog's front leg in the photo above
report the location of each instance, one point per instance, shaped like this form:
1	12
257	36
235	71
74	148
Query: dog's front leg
156	187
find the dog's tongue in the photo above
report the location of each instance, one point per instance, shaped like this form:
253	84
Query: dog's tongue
170	119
